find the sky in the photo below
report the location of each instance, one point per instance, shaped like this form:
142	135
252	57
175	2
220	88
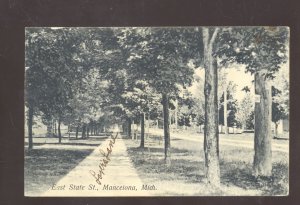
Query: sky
237	74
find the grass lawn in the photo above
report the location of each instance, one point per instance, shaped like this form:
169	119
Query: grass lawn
186	174
49	161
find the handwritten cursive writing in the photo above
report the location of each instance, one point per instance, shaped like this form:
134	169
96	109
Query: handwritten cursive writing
98	176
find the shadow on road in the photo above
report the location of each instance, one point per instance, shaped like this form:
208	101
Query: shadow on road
44	167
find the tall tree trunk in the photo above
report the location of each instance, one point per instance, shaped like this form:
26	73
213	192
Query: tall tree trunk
138	128
97	129
148	124
69	131
29	124
142	130
91	129
125	127
262	138
276	129
59	132
49	129
77	129
129	127
176	114
165	101
55	128
211	132
134	131
225	110
83	134
87	130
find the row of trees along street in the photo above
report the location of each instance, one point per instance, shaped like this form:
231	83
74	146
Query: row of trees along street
88	78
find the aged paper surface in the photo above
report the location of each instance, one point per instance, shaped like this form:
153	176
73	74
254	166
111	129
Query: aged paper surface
169	111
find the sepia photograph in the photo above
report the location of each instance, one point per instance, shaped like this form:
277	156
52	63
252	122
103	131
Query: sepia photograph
156	111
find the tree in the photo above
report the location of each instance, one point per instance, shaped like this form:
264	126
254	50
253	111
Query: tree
186	112
154	55
39	49
211	133
139	99
280	96
244	111
222	91
227	114
50	74
197	96
262	50
278	112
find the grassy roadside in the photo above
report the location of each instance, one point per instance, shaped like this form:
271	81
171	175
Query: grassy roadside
49	161
187	169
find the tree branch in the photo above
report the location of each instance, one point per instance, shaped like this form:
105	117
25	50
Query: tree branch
205	34
213	38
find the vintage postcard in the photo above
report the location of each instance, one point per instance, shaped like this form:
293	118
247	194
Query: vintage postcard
156	111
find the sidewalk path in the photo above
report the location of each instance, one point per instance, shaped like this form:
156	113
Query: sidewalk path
120	177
